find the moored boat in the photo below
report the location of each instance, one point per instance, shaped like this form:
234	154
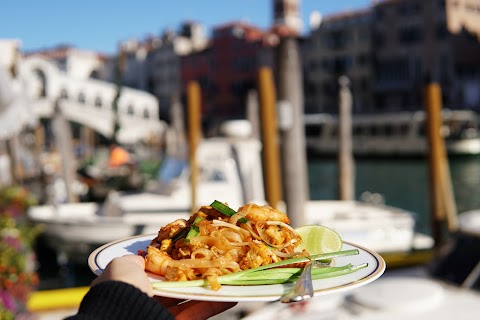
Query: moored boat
231	172
394	134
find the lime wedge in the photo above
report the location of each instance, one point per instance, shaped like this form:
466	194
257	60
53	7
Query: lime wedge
318	239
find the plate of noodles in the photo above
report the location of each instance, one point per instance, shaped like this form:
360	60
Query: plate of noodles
190	266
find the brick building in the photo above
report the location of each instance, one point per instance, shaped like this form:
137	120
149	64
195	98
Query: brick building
228	68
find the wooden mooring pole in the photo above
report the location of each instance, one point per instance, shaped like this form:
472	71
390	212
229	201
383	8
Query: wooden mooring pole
346	172
294	163
271	154
16	170
253	115
63	141
443	210
194	133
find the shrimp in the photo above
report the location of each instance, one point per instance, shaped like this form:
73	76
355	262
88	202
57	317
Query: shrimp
257	213
157	261
258	255
161	263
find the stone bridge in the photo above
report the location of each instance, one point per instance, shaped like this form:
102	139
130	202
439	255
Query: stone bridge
88	102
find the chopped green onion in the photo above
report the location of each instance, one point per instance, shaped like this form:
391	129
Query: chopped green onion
181	234
271	274
194	229
226	210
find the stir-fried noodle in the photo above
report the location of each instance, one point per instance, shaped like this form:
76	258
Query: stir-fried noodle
211	243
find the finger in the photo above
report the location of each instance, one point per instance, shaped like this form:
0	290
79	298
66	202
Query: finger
140	261
199	310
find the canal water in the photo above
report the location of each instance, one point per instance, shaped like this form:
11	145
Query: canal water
402	182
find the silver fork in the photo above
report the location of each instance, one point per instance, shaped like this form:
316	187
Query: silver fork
303	288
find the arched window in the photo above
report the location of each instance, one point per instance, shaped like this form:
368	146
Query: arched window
42	92
130	110
98	102
81	97
64	93
95	74
146	114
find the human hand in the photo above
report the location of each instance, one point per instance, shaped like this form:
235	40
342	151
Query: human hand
192	309
129	269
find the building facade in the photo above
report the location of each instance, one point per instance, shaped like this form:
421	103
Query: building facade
387	50
228	69
412	44
166	66
390	50
341	45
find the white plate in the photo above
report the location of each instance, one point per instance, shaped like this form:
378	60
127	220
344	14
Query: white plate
99	259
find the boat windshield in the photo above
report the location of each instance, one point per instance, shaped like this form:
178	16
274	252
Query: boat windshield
171	169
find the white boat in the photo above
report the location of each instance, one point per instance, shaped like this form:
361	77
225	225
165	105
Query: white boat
469	221
379	227
231	171
394	134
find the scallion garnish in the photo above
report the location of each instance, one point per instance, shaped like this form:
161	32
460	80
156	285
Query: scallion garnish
272	274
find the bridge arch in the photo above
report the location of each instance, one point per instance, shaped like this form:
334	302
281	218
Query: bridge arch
41	75
89	101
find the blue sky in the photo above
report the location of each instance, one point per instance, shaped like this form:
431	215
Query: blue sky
99	25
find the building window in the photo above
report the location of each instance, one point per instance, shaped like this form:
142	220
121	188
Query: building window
408	8
417	69
363	59
327	65
378	14
42	92
379	39
130	110
343	64
392	70
441	31
441	4
339	40
410	35
98	102
64	94
364	84
363	35
95	74
81	97
146	114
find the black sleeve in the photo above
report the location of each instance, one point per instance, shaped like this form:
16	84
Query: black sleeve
119	300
